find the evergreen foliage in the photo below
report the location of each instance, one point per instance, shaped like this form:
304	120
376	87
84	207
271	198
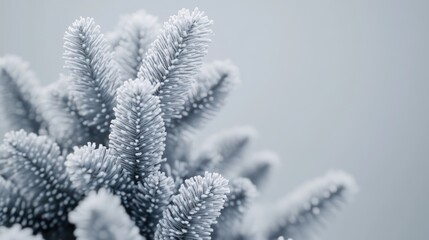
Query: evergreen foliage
109	150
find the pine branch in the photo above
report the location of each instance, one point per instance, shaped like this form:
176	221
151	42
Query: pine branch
310	204
93	72
91	168
15	208
137	31
259	167
194	209
207	160
35	165
175	57
15	232
138	132
241	195
100	216
208	95
63	122
224	148
19	101
151	198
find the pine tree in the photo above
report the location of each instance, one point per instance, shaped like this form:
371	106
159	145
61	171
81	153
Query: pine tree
109	150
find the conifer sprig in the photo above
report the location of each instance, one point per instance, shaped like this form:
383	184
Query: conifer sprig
94	75
91	168
100	216
15	208
36	167
151	198
136	32
305	209
241	195
15	232
63	122
18	99
210	89
175	57
194	209
116	159
138	133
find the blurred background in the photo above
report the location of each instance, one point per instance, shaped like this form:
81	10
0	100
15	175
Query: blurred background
327	84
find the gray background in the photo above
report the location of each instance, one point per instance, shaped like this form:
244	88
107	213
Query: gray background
328	84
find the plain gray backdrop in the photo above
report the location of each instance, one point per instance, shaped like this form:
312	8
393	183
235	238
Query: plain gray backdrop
328	84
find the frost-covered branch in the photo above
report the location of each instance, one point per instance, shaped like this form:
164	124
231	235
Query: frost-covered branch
211	87
138	132
194	210
35	165
15	232
15	208
259	167
91	168
241	195
93	72
222	149
149	201
100	216
305	208
136	32
61	117
18	95
175	57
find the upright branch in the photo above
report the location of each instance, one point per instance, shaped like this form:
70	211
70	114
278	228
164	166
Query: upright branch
136	32
100	216
151	197
194	209
305	209
18	95
175	57
138	132
94	75
63	122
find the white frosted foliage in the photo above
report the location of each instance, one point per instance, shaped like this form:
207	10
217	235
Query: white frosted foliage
15	232
94	75
100	216
135	32
138	133
194	209
175	57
